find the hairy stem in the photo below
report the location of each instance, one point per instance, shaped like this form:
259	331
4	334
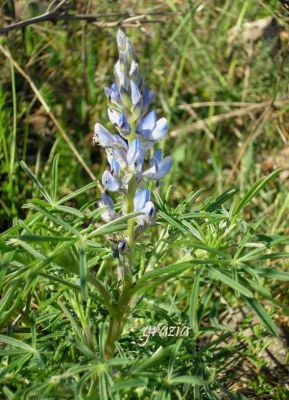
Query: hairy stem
120	312
117	320
130	209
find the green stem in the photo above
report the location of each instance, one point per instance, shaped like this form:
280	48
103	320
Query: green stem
117	321
121	310
130	209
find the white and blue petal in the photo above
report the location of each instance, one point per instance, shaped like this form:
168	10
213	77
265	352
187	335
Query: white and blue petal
113	94
103	136
135	155
149	209
140	199
147	124
107	200
113	115
134	69
109	182
132	151
135	93
157	157
148	214
120	156
119	142
114	166
160	169
160	130
148	96
123	123
120	75
109	214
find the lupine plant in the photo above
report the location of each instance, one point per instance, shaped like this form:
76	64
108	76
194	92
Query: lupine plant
123	298
135	164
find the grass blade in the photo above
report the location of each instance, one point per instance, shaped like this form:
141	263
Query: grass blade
37	182
54	178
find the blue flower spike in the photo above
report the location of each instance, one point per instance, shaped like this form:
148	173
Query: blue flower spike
138	131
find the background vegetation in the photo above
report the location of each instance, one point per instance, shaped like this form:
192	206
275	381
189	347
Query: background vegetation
225	93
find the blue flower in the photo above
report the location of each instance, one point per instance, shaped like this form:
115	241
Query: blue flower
147	124
113	94
151	129
135	155
114	166
102	136
106	139
109	182
120	156
129	151
119	120
123	123
109	214
159	169
135	93
113	115
148	97
143	204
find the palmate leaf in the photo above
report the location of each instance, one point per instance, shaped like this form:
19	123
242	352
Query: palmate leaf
191	198
60	257
255	256
173	222
174	269
28	221
211	217
159	272
69	210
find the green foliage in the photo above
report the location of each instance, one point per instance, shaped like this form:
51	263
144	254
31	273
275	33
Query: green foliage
54	263
220	242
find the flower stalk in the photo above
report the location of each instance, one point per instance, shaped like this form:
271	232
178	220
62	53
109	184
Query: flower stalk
134	163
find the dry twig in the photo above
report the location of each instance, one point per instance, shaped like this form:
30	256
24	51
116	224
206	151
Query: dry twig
57	15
